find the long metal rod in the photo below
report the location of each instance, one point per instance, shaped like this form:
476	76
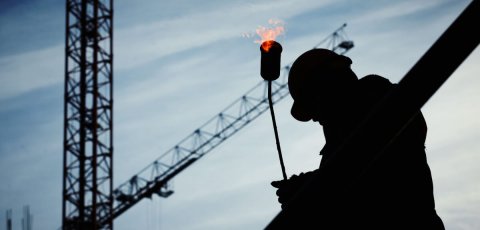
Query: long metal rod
413	91
277	139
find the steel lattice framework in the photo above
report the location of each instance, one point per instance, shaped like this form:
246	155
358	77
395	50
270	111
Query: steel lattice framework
154	178
88	151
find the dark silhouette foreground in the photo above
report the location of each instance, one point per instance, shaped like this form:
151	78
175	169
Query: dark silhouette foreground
359	189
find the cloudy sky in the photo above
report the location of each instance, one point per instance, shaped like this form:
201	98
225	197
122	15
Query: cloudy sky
179	63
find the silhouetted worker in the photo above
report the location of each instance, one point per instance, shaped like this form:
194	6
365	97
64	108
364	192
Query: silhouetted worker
358	189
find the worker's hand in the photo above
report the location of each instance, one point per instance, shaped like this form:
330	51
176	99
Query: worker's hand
286	189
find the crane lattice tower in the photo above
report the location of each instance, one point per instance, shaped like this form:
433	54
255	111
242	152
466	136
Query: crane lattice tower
88	147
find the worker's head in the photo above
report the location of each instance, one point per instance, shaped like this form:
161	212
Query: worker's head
319	81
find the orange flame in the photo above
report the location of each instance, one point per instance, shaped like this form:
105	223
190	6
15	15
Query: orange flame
269	33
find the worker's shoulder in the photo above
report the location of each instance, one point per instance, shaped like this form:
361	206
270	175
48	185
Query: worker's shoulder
374	80
373	87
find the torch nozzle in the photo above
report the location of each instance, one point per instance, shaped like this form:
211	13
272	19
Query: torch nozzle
270	60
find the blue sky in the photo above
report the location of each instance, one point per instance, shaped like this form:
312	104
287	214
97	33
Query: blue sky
179	63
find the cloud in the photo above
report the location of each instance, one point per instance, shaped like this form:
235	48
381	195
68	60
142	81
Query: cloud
395	10
29	71
139	44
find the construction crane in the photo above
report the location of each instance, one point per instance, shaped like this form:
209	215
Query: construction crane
155	178
88	201
88	106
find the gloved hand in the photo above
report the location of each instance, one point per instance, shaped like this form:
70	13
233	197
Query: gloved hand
286	189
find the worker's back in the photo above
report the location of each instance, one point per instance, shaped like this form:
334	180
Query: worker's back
381	190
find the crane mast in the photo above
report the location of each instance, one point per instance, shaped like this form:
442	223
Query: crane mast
154	179
88	147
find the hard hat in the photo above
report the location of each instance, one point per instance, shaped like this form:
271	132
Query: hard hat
317	71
